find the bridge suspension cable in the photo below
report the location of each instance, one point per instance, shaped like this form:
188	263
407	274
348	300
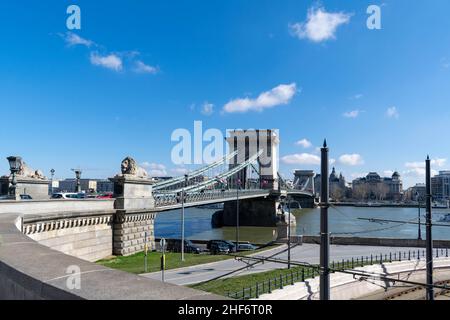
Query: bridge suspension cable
165	184
221	177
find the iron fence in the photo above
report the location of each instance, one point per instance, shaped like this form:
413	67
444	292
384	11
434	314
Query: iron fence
301	274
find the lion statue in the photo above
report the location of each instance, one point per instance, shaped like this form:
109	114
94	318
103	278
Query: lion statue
129	166
26	171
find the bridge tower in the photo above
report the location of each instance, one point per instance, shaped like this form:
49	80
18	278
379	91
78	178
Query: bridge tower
248	143
261	212
304	181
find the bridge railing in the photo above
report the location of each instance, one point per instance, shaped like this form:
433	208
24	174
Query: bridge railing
173	199
289	277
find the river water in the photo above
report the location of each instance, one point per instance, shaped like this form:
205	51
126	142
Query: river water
343	222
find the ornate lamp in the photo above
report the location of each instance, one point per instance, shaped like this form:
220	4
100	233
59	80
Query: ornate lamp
78	173
14	167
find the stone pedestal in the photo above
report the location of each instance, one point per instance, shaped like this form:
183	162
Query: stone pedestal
129	231
134	217
133	193
36	188
282	230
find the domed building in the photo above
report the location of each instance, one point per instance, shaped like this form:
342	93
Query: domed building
374	187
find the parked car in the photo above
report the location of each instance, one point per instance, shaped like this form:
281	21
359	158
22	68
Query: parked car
66	195
174	245
25	197
219	248
230	245
246	247
105	196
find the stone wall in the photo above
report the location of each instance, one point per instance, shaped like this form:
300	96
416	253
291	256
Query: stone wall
130	230
378	242
86	237
31	271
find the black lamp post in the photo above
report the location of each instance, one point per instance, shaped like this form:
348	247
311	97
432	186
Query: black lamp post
238	186
418	206
14	167
78	173
52	173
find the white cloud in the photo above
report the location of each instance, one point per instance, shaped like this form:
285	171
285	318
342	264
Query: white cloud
392	113
351	159
320	25
179	171
352	114
388	173
417	169
280	95
111	61
305	143
73	39
357	96
440	163
207	109
141	67
301	159
155	169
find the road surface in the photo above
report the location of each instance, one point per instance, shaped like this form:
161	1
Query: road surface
308	253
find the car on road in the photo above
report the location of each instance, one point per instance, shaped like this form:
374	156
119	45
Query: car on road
66	195
219	248
174	245
230	245
105	196
247	247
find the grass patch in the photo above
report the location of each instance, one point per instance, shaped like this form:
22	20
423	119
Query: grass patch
241	284
135	263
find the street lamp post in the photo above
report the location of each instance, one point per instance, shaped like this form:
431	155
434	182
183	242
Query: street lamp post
78	173
289	232
183	199
324	233
419	218
238	185
14	167
429	245
52	173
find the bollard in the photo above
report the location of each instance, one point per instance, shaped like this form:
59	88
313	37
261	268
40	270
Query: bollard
362	261
409	255
371	259
303	275
292	279
353	263
257	290
400	256
270	286
281	281
243	293
390	257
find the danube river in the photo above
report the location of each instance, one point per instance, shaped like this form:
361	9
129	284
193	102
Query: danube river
343	222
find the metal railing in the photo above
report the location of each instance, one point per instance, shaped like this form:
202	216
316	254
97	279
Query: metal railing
173	199
301	274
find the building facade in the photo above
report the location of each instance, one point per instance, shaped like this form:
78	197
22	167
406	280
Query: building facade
440	186
337	185
374	187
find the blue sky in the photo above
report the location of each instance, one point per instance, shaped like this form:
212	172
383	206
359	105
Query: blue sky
138	70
